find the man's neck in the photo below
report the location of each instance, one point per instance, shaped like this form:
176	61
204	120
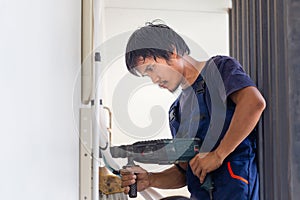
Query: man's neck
192	69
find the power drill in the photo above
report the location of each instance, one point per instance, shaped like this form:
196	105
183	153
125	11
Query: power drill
162	152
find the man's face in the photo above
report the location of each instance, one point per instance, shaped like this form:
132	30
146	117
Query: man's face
167	75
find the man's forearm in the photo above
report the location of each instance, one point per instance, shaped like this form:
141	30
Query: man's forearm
170	178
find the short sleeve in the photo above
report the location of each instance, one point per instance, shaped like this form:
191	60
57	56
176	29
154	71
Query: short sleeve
233	75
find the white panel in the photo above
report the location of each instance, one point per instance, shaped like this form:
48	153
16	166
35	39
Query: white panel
173	5
86	154
87	51
40	57
208	29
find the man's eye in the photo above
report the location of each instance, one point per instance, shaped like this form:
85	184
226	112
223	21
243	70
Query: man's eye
149	68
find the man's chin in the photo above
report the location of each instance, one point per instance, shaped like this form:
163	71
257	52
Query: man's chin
173	90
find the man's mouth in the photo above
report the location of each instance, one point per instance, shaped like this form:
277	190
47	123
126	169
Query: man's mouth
163	84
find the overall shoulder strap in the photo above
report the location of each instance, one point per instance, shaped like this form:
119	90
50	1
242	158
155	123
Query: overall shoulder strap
174	109
202	88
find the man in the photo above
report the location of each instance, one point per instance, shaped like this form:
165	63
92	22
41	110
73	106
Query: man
158	52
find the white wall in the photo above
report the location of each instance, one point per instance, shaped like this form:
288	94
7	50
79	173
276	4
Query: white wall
40	57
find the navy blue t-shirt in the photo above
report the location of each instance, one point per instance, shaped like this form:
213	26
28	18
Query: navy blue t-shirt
191	115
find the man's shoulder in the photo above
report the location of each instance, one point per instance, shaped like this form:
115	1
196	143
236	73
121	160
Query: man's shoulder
224	63
222	59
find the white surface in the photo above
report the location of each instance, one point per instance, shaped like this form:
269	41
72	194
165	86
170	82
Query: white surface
40	56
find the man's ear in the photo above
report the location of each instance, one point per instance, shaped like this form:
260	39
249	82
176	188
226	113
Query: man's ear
174	54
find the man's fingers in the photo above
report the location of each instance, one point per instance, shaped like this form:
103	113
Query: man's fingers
126	177
135	169
202	176
127	183
196	167
197	171
126	171
126	189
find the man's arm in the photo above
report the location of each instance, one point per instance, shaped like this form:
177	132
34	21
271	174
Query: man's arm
170	178
249	107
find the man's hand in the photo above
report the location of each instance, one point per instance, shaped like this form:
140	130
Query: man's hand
204	163
132	174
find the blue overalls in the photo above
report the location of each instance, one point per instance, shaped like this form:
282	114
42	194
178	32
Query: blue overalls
237	178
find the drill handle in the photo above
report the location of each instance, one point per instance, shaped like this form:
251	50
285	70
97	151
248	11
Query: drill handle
132	188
